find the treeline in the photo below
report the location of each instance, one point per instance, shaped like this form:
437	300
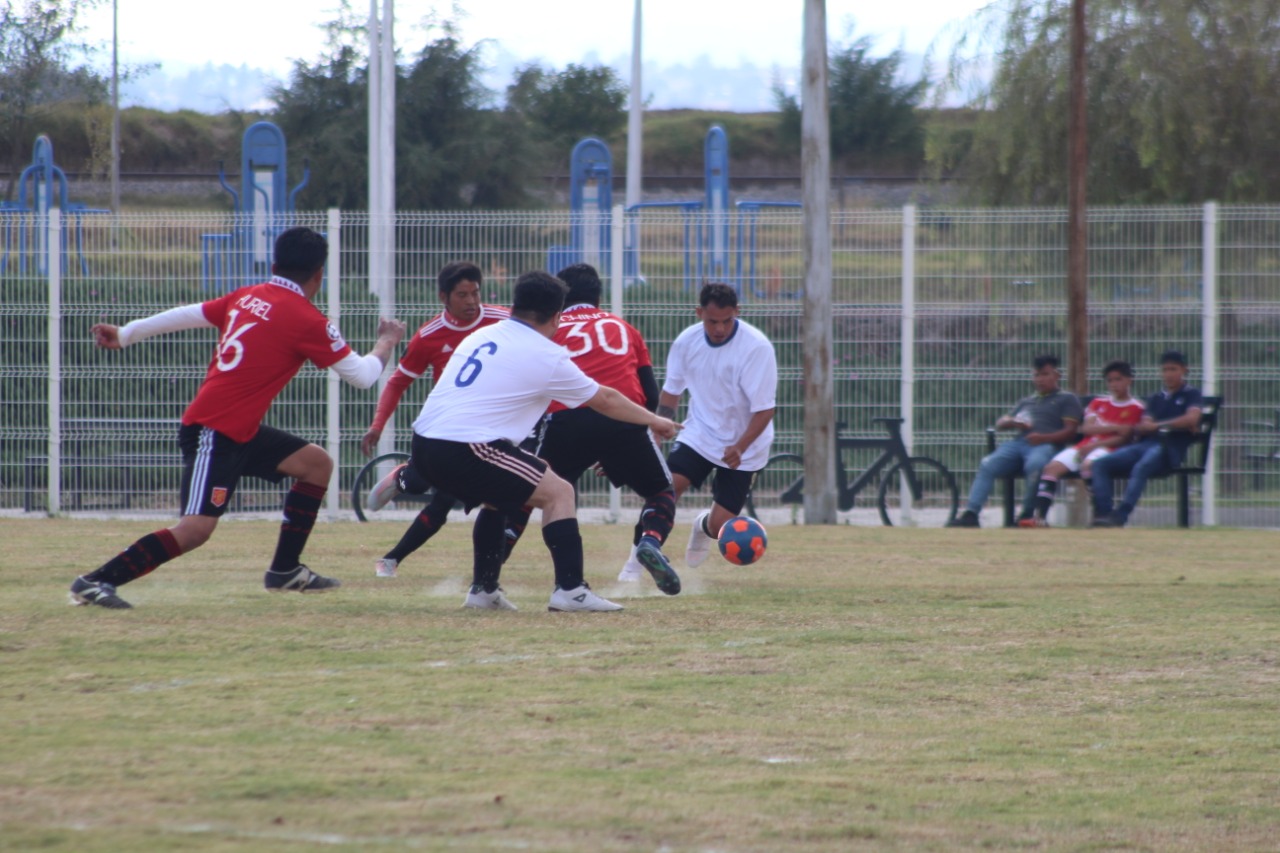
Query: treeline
1182	108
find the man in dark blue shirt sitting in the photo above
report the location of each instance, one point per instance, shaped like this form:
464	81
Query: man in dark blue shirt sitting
1175	408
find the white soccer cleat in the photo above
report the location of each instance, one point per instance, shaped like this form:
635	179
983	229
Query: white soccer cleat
632	571
386	490
580	598
699	547
385	567
478	599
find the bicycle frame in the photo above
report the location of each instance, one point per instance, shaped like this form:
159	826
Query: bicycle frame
894	450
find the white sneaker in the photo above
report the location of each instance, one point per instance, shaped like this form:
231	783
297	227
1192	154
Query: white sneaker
478	599
632	571
699	547
385	567
386	490
579	598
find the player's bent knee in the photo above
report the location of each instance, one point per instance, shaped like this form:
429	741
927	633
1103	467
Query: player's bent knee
311	464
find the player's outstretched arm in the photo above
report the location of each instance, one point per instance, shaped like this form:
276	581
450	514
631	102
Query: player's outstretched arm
613	404
667	403
108	336
363	371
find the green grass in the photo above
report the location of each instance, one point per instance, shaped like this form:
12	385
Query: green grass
860	689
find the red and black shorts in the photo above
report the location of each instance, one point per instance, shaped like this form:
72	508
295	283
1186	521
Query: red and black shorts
496	473
213	464
729	488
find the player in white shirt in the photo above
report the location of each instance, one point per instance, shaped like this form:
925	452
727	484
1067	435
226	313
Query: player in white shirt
730	370
497	385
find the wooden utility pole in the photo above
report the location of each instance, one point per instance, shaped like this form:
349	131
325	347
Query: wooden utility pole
1078	226
815	172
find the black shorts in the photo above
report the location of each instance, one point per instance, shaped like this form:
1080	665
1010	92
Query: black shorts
573	440
729	488
213	464
496	473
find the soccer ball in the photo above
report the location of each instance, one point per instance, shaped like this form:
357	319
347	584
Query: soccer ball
743	540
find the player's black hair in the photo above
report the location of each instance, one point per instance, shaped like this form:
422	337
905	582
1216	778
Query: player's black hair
539	296
1043	361
457	272
298	253
584	284
1172	356
1121	367
720	293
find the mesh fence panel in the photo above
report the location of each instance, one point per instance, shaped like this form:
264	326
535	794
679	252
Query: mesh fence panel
989	291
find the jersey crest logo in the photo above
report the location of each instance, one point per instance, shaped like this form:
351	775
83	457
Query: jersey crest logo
218	496
335	336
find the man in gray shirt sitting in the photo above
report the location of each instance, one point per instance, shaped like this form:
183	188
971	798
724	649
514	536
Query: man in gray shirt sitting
1044	422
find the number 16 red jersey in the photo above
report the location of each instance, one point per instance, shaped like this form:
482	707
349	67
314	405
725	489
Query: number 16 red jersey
266	333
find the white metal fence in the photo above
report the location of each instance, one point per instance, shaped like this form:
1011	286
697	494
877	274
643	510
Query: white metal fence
938	314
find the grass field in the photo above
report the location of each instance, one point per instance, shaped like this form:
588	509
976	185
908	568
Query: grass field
874	689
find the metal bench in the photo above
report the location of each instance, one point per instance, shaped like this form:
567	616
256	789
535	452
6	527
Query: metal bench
1194	464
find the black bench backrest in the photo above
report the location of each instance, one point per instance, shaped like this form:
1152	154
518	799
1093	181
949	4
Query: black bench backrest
1198	452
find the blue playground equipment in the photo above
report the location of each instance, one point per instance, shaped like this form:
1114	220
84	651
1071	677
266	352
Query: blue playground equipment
590	202
262	208
706	237
748	226
23	220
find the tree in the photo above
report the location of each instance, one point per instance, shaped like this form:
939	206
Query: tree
40	64
453	149
1182	103
562	107
873	115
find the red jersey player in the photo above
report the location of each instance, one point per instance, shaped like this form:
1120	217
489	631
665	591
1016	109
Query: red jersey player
1108	423
430	348
266	332
613	353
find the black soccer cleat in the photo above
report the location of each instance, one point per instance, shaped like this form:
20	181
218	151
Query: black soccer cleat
656	564
102	594
968	518
301	579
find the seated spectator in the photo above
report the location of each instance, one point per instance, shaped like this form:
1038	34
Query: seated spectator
1176	408
1044	422
1108	423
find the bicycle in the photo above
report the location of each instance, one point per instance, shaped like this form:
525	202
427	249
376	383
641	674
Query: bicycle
911	491
369	476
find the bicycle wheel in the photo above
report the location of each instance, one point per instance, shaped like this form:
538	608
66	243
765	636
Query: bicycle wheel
939	498
371	473
779	483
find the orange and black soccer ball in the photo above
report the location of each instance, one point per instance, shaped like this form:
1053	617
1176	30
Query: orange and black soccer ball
743	540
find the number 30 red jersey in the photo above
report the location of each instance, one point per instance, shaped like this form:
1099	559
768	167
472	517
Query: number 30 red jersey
266	333
607	348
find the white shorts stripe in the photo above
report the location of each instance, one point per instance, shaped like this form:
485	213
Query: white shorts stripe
200	472
498	459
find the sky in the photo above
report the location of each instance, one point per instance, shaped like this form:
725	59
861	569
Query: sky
271	36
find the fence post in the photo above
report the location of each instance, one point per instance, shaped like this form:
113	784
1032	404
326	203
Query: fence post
53	246
1209	356
908	324
617	256
333	411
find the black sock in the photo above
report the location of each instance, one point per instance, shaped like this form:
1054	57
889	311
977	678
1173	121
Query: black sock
516	523
706	519
140	558
657	517
300	508
565	544
424	526
1045	494
489	541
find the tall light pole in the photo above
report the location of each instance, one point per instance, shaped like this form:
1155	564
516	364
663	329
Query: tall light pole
634	117
115	105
